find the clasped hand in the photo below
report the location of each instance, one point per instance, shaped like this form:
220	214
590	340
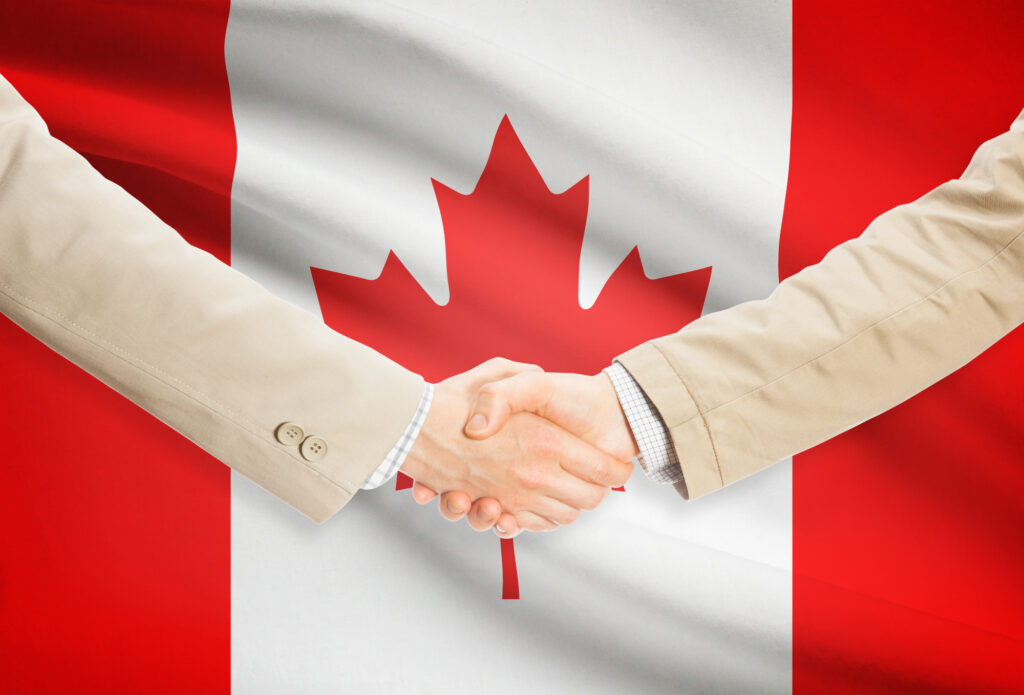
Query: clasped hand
515	448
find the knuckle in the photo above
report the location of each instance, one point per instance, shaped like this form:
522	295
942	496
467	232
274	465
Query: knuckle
541	449
499	363
529	477
527	380
622	479
599	470
544	444
621	474
487	510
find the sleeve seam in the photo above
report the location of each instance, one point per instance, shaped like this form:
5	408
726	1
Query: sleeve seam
172	382
864	330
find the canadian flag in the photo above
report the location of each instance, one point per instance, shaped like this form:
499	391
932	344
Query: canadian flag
553	182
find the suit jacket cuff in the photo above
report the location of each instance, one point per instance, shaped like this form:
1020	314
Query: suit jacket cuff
393	461
675	403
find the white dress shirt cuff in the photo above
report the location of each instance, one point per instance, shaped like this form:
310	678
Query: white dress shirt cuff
657	455
393	461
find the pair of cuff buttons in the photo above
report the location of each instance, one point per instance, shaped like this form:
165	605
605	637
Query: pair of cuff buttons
312	448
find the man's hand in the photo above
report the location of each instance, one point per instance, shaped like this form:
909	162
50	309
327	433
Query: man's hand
534	470
585	406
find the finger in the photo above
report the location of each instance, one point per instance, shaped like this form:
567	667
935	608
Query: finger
484	513
496	401
507	526
421	493
496	369
565	468
502	368
590	464
454	505
556	511
528	521
562	497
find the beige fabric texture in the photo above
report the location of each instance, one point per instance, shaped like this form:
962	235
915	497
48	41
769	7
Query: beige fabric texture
925	289
96	276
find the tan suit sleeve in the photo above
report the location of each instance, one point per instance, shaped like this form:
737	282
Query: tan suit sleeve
92	273
925	289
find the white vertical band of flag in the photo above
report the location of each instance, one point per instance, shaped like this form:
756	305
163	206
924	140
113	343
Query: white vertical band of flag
680	115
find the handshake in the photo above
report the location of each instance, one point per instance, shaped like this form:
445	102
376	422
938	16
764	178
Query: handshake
515	448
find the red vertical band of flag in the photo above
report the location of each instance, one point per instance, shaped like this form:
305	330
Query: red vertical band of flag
114	530
906	530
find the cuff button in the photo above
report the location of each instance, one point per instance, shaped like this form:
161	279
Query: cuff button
289	433
313	448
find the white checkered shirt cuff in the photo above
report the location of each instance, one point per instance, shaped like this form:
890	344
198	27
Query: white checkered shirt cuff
393	461
657	455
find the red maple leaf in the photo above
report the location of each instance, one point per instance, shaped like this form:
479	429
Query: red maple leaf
513	255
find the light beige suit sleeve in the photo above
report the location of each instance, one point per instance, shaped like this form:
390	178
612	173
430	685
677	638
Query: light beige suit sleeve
92	273
925	289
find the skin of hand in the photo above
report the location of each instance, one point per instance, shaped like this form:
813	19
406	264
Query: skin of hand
527	466
586	406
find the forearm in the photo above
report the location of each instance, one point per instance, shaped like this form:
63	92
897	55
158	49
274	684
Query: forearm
925	289
96	276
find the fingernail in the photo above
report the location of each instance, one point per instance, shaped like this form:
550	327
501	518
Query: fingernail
499	529
477	422
454	508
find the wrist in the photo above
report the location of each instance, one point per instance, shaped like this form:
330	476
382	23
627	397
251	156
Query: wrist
411	466
431	456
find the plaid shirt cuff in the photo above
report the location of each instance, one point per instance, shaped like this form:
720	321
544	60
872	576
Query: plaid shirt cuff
657	455
393	461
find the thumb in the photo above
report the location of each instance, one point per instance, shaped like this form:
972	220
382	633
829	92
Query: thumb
496	401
